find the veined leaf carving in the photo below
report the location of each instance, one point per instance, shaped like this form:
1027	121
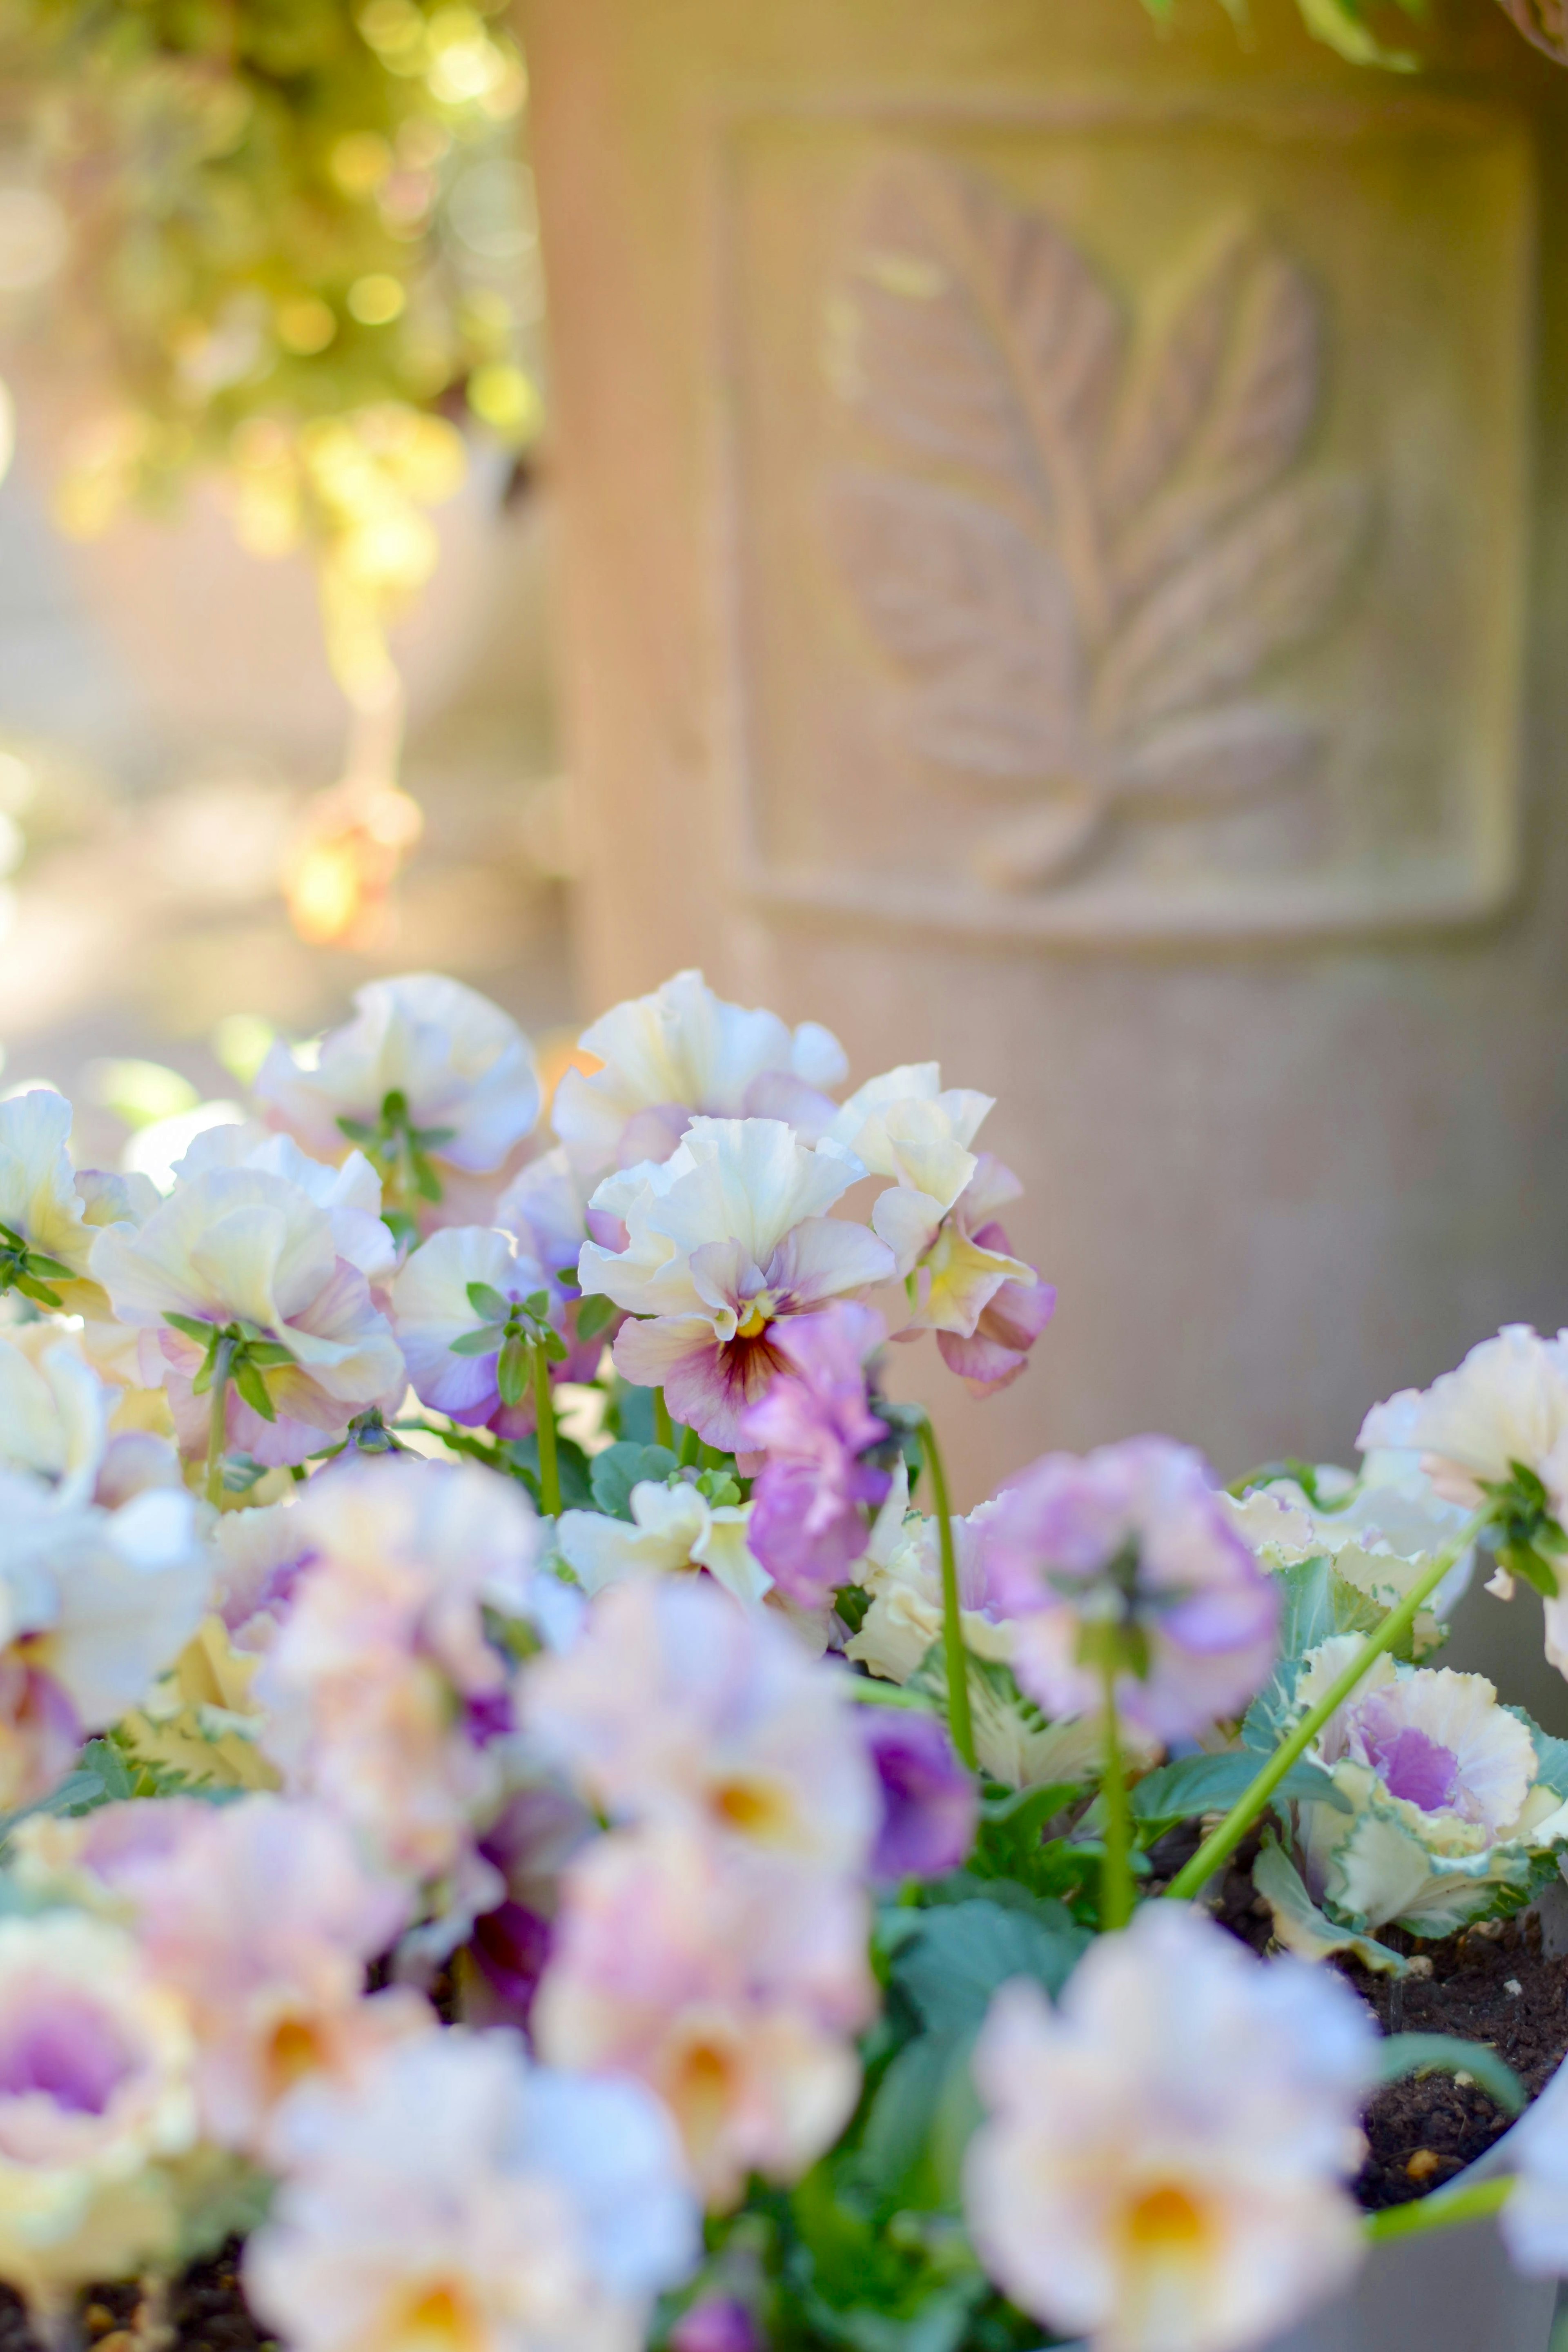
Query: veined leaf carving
1083	549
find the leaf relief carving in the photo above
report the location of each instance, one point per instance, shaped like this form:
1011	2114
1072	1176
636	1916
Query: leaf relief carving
1081	550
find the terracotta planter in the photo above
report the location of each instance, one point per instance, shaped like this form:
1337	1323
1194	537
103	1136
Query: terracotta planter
861	315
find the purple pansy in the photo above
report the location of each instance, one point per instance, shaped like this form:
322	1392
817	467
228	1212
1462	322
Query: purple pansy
808	1516
928	1801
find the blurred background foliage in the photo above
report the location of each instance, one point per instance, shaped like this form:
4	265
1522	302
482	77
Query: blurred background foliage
1367	32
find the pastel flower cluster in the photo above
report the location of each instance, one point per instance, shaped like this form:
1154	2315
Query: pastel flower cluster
714	1943
504	1746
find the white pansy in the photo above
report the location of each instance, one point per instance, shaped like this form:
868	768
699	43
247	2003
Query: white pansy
1164	2164
683	1051
673	1530
457	1061
469	2201
902	1572
1506	1405
1448	1816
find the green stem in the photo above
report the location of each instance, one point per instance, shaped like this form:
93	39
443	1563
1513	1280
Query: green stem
955	1655
1223	1841
686	1451
545	1414
663	1427
1116	1869
1445	2211
217	1421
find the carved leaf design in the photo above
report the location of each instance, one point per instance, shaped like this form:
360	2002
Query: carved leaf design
980	333
1225	755
1265	404
1105	566
1042	846
1175	389
1262	586
982	616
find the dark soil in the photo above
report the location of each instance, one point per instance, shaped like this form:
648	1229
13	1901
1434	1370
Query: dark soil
1492	1984
205	2313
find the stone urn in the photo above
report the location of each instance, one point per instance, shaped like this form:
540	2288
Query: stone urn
1066	567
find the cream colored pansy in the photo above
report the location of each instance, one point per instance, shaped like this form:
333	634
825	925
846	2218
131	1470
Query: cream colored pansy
673	1530
1165	2163
465	2200
96	2092
50	1216
238	1247
1447	1817
905	1126
725	1239
680	1052
348	1190
39	1203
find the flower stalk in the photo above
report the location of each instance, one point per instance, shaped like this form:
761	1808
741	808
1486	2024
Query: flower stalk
663	1427
955	1657
545	1414
217	1419
1116	1869
1223	1841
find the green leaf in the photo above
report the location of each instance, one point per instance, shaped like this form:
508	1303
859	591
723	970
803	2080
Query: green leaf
1302	1928
511	1371
252	1387
595	1315
269	1355
1211	1784
1340	25
555	1347
488	1303
358	1131
621	1466
629	1413
1432	2054
485	1342
537	1303
204	1334
960	1953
